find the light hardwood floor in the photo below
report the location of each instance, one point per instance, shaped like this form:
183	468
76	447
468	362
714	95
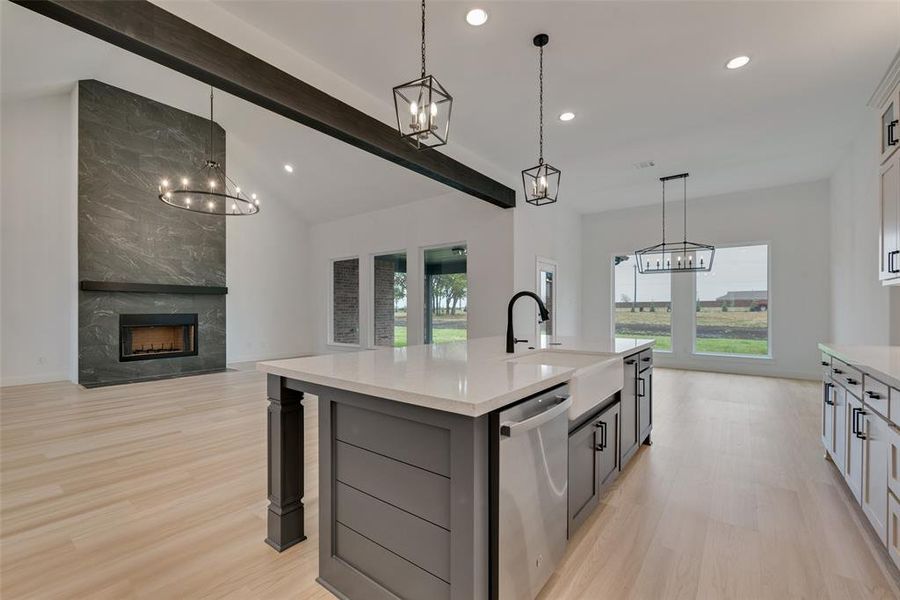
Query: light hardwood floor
157	490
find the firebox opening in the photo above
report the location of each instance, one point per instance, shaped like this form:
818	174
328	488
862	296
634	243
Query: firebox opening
143	337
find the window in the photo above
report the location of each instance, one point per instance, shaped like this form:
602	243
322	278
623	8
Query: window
389	299
732	311
643	303
345	301
546	290
446	294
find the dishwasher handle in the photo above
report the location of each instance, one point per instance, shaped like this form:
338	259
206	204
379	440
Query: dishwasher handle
514	428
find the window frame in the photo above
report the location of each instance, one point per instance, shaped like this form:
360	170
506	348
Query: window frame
769	314
612	312
329	324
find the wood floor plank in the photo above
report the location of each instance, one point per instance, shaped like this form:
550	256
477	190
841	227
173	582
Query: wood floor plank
158	490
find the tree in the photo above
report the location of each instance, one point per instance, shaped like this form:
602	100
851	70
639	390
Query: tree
399	287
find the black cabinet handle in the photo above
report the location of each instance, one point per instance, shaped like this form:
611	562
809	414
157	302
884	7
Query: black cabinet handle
859	432
836	371
891	268
629	361
851	381
827	394
641	387
873	395
602	445
825	363
891	140
853	421
646	359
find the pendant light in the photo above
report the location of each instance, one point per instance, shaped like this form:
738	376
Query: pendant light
541	182
675	257
209	191
423	107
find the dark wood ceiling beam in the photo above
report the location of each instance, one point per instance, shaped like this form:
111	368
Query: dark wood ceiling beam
156	34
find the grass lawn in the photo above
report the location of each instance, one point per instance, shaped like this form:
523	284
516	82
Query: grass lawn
662	342
440	336
725	346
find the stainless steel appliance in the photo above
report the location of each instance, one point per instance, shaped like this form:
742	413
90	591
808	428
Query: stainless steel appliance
532	499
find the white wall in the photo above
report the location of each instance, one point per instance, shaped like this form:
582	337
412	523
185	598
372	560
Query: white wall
267	265
860	305
453	218
549	232
793	219
38	244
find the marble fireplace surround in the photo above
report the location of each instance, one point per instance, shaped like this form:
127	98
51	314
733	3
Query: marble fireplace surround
137	255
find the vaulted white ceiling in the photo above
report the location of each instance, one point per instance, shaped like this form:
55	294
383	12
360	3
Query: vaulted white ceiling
645	79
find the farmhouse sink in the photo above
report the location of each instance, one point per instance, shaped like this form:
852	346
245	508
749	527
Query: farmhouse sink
596	377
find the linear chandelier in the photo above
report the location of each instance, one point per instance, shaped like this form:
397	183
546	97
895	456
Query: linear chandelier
675	257
210	191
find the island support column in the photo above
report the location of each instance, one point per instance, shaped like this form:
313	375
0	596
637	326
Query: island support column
285	465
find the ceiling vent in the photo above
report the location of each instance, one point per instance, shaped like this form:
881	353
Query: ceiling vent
644	164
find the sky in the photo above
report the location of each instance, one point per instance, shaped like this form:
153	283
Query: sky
734	269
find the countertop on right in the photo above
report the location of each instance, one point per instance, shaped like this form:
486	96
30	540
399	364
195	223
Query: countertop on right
883	362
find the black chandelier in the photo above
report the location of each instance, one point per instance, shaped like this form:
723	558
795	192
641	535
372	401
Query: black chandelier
675	257
210	191
423	107
541	182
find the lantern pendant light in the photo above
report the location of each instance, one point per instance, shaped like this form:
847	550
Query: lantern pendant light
423	107
210	191
541	182
675	257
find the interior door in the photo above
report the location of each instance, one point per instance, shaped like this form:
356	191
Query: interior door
546	288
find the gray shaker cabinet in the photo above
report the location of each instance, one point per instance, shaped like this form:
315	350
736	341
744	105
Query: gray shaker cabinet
629	410
593	463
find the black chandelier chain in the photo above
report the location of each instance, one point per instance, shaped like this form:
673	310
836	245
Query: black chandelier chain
664	213
211	122
423	38
541	107
685	210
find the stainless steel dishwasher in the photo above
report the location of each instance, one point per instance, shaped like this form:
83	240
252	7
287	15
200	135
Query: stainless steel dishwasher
532	499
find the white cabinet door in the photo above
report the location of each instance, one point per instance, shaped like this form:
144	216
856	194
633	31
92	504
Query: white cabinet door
876	451
894	529
839	395
889	190
853	466
828	417
889	138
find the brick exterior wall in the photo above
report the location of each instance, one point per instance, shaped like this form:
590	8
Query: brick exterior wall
384	300
345	327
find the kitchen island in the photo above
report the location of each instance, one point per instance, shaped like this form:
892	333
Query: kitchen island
408	455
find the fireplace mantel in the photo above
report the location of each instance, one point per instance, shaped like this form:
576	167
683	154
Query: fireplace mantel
151	288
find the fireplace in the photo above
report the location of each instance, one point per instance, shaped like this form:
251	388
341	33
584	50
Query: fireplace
146	337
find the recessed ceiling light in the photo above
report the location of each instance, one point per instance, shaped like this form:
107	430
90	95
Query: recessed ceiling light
476	17
567	116
737	62
289	168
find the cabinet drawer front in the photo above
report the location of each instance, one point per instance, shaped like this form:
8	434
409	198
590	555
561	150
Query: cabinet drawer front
394	573
894	410
894	529
409	488
845	375
825	362
876	395
645	359
889	127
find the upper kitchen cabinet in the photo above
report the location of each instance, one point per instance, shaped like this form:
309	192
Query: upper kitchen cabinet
887	100
889	192
889	116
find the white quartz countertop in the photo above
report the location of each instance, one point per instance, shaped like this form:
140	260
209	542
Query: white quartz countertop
469	378
882	362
